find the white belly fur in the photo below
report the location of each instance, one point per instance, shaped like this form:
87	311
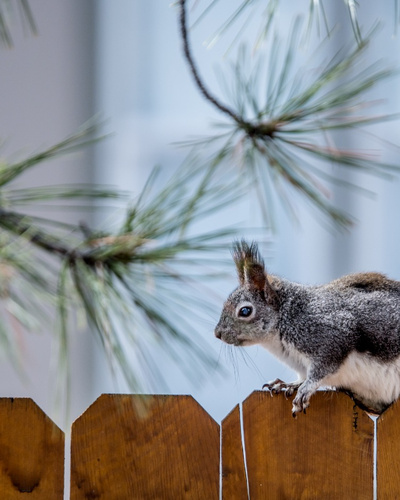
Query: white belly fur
371	379
285	352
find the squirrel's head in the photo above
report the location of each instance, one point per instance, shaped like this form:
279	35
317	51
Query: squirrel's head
250	311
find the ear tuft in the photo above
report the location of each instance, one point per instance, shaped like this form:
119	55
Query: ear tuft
249	264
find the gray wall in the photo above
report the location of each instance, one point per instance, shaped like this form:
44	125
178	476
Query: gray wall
46	90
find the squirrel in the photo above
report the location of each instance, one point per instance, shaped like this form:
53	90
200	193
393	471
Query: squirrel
344	334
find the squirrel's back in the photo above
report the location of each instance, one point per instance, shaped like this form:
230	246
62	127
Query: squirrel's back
365	282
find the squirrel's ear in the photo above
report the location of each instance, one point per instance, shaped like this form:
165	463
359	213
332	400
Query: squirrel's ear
249	265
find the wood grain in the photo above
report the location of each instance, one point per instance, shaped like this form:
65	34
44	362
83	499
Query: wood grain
31	452
169	450
234	483
325	454
388	453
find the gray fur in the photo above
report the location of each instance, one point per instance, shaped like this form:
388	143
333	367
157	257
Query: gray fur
344	334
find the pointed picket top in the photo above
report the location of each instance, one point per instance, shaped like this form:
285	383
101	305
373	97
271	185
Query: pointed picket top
31	452
125	446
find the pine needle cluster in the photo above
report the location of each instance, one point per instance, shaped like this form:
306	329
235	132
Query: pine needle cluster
281	118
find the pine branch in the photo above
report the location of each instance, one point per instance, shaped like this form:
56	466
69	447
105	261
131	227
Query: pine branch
106	273
286	129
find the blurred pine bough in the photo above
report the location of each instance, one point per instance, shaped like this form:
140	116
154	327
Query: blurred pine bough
133	281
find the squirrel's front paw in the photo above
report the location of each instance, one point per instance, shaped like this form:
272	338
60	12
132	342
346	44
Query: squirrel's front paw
277	386
300	403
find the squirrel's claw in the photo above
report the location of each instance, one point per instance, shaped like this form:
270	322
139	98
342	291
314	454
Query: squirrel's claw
274	386
300	403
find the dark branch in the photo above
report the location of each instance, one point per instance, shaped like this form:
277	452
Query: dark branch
266	129
21	225
195	73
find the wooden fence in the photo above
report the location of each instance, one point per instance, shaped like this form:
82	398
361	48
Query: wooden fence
168	447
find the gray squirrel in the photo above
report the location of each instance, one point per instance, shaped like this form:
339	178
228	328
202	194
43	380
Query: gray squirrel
344	334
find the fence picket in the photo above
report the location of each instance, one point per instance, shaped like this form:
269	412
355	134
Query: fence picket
31	452
327	453
170	450
388	452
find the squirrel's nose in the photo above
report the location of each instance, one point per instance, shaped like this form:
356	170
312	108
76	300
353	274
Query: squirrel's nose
217	333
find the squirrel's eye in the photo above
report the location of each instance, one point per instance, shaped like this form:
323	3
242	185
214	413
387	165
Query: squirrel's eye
245	311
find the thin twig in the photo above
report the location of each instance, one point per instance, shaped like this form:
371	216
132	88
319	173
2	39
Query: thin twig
194	71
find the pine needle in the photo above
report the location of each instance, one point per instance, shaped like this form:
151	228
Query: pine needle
9	9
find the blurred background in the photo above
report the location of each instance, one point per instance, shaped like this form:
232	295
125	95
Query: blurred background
122	61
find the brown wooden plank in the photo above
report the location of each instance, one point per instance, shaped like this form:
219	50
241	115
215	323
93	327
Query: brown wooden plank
234	484
325	454
388	453
170	450
31	452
